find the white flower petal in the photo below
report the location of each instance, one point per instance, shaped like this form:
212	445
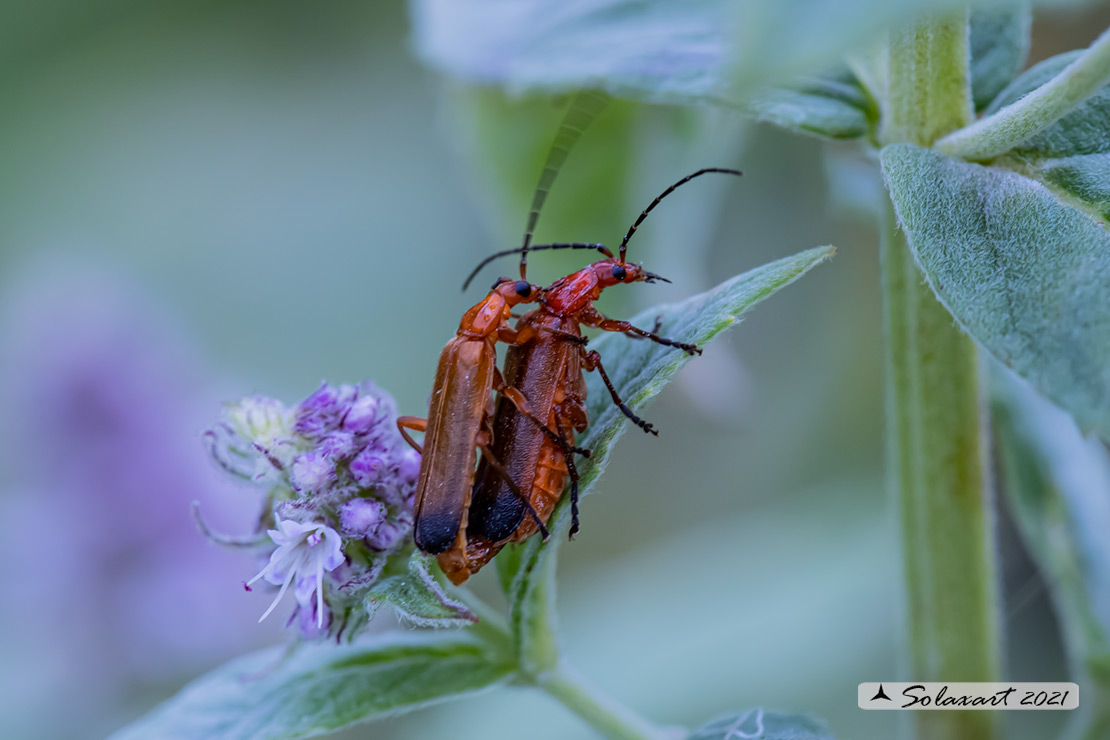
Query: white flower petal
304	553
319	596
292	529
274	603
332	548
305	589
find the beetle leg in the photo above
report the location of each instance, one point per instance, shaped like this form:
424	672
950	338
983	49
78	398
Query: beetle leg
573	338
517	398
593	318
521	335
609	324
412	422
592	361
573	473
500	470
654	329
526	333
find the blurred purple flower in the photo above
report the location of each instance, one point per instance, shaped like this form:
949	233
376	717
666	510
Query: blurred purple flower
100	410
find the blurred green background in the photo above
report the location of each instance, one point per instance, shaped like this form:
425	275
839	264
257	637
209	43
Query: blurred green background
199	201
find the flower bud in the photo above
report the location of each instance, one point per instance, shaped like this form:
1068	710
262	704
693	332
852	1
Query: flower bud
362	415
261	420
313	623
388	536
320	413
361	517
337	445
312	472
409	467
369	467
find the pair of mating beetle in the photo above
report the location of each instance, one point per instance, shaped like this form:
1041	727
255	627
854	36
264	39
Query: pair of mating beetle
465	516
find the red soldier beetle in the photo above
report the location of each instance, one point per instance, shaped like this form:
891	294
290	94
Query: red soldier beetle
458	426
545	365
458	419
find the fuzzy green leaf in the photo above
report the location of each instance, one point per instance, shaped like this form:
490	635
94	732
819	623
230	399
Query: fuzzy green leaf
650	50
1085	177
1086	130
1032	78
831	108
639	370
999	46
1058	485
322	688
654	51
1027	276
418	597
1072	155
756	724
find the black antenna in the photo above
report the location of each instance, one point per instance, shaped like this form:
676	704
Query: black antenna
584	108
534	248
664	194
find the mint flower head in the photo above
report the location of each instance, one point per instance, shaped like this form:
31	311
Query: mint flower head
339	484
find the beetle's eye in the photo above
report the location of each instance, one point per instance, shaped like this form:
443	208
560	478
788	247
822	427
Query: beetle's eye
523	288
618	272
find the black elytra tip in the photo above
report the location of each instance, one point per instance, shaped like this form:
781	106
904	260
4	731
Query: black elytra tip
435	533
497	519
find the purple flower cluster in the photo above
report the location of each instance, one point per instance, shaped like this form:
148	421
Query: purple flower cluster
340	484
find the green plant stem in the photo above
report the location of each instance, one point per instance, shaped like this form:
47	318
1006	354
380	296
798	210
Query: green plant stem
491	626
935	431
1038	110
533	618
929	94
610	719
533	609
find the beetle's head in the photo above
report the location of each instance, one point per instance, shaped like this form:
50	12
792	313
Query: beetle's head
613	271
516	291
